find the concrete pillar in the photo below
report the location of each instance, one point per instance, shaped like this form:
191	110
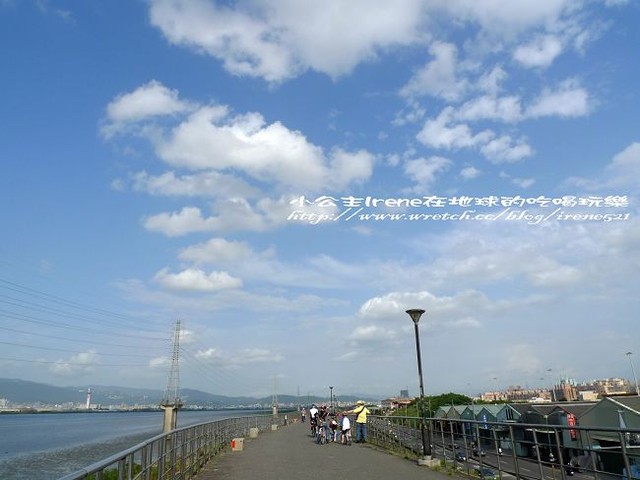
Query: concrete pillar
170	418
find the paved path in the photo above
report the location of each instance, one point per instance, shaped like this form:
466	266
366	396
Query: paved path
290	453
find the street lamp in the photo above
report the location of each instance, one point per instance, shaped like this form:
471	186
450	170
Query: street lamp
331	398
415	315
633	370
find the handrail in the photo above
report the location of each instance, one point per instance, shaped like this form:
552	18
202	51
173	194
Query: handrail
555	450
175	455
461	445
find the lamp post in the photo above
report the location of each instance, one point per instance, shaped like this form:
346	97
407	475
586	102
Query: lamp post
331	398
633	370
415	315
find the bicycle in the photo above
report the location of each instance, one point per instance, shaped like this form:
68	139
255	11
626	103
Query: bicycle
346	437
321	436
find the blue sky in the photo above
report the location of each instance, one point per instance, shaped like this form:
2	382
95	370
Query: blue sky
169	159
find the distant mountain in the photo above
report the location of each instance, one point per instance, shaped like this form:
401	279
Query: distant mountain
23	392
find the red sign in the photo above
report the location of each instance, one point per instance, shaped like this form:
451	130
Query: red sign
571	420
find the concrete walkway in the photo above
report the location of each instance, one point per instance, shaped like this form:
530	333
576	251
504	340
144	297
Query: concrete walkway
291	453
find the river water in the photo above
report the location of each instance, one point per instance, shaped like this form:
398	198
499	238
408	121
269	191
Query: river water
49	446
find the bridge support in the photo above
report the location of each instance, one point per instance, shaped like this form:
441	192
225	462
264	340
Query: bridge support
170	419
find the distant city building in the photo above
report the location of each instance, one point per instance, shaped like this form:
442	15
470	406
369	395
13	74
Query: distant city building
517	394
588	395
404	393
612	386
396	402
567	390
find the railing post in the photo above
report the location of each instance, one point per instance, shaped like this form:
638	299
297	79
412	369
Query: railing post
625	458
496	445
592	456
537	448
560	455
444	457
513	451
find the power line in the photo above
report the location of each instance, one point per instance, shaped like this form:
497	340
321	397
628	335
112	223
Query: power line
72	351
56	299
138	347
11	286
51	323
46	362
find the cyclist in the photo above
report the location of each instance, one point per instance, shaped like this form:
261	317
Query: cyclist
323	421
313	418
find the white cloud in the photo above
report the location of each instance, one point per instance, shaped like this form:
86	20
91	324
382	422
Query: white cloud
622	172
450	130
187	220
423	171
216	250
491	82
437	78
159	362
505	18
505	109
237	214
540	53
469	173
440	133
443	133
373	333
202	184
568	100
212	140
505	150
279	40
258	355
449	312
625	166
245	43
346	167
150	100
523	182
236	359
211	355
196	280
413	113
556	275
81	363
265	152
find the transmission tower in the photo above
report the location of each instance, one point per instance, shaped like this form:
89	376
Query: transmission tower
171	400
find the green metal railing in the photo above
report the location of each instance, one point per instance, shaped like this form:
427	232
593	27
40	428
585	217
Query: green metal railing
489	450
513	449
177	455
